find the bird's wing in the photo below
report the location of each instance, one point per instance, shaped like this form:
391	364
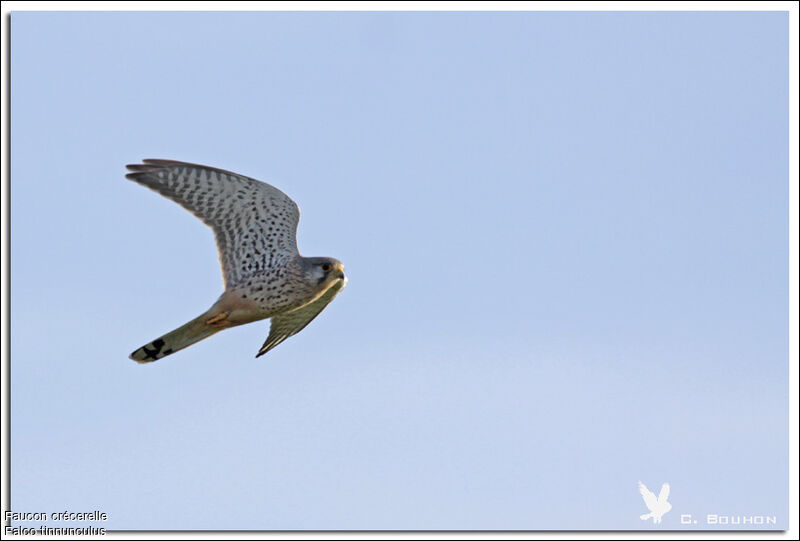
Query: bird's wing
649	498
664	494
255	224
285	325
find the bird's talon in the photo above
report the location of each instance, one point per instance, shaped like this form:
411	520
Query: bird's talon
219	318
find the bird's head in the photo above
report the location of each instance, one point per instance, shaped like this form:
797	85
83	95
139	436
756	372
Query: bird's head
324	271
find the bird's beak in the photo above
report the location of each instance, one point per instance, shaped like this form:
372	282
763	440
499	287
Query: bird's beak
339	270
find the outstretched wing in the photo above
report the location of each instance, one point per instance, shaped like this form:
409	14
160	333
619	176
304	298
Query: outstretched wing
664	494
255	224
285	325
649	498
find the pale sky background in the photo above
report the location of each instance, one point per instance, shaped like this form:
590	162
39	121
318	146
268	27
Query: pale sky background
567	243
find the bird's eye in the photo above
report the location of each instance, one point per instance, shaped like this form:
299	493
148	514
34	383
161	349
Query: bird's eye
326	267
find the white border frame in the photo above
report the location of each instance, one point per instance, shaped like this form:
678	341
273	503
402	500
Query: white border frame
794	192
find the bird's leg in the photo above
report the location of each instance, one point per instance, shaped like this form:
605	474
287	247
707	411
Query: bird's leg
218	320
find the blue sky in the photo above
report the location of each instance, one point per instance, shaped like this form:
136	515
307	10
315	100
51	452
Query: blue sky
566	236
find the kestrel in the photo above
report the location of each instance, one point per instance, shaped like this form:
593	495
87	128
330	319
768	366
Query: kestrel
255	226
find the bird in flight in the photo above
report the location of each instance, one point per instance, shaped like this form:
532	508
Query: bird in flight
255	226
658	506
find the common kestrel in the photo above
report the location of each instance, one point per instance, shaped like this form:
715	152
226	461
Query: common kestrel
255	226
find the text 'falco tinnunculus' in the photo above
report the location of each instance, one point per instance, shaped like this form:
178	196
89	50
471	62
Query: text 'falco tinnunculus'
255	226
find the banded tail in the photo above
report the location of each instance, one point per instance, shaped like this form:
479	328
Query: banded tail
184	336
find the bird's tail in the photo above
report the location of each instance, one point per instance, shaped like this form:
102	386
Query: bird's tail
646	516
184	336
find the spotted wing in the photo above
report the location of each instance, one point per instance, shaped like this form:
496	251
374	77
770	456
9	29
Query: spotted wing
255	224
285	325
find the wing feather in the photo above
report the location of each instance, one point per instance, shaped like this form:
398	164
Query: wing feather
255	224
285	325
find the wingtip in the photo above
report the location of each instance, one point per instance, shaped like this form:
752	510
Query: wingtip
160	162
148	167
139	167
